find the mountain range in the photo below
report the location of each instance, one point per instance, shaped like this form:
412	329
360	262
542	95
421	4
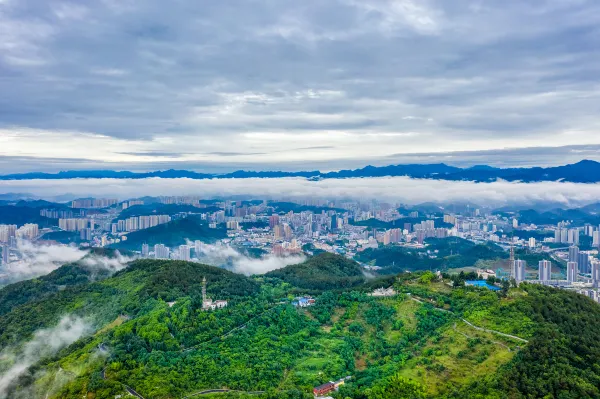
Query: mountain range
585	171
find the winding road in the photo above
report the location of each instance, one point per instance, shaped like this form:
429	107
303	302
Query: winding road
473	325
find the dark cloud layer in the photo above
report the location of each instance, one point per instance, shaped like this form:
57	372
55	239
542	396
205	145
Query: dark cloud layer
254	82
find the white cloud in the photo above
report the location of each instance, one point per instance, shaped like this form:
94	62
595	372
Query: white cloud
464	75
44	343
395	189
38	260
223	254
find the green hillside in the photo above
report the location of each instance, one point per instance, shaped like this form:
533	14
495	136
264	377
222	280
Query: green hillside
439	254
19	215
408	346
64	237
162	209
172	234
321	272
76	273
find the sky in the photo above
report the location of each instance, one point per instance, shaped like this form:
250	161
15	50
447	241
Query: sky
288	85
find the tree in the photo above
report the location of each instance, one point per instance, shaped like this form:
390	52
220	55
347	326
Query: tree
427	277
397	387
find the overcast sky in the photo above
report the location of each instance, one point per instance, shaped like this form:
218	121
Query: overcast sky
277	84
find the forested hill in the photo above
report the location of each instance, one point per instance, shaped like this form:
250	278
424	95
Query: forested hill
173	234
322	272
72	274
38	303
149	334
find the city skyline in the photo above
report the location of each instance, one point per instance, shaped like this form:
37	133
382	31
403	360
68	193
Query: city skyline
340	84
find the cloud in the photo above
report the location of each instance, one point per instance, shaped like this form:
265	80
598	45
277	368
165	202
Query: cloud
38	260
377	77
392	189
44	343
239	263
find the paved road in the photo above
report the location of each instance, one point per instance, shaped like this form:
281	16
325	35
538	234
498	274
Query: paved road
209	391
133	392
495	332
240	327
473	325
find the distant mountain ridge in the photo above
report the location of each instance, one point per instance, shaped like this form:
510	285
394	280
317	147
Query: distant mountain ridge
585	171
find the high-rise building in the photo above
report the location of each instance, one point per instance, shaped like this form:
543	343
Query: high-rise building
511	262
145	250
5	254
74	224
573	253
532	242
184	252
515	223
273	221
588	230
7	231
85	234
519	273
573	236
278	250
564	235
287	231
572	271
596	272
583	263
161	251
93	203
28	231
387	238
278	232
545	270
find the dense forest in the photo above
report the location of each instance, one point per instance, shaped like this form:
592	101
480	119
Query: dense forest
324	271
150	335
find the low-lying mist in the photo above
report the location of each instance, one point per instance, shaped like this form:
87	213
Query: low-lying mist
38	260
401	189
230	258
46	342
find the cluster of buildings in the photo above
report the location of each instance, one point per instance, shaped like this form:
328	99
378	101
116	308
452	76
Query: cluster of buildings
87	203
136	223
303	301
566	236
10	234
582	273
53	213
75	224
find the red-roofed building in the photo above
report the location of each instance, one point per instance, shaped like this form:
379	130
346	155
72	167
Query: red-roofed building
323	389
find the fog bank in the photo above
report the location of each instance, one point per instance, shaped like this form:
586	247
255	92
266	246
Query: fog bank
226	255
38	260
401	189
44	343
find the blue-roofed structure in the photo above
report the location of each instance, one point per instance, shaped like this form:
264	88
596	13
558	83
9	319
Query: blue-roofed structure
481	284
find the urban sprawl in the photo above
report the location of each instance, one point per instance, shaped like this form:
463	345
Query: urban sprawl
343	227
